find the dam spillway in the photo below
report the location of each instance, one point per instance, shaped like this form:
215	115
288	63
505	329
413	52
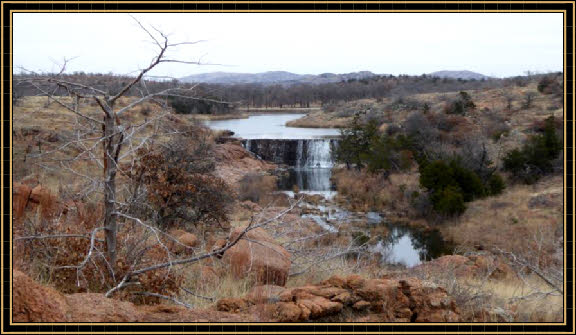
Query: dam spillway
297	153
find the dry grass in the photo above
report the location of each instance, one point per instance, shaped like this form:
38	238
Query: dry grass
337	267
506	300
368	192
212	117
41	126
515	221
319	119
206	290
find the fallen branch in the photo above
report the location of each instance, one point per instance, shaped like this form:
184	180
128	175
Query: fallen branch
197	295
523	262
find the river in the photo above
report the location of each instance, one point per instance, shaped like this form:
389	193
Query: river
307	157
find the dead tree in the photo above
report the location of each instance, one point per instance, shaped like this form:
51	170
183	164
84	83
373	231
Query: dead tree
109	130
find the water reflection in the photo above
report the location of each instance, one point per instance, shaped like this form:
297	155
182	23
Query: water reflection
410	246
306	179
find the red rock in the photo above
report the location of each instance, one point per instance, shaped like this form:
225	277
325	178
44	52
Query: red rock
20	198
260	255
336	281
189	240
361	305
32	302
96	308
316	307
288	312
355	282
233	305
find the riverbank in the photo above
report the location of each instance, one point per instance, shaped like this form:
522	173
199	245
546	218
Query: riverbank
216	117
279	110
319	119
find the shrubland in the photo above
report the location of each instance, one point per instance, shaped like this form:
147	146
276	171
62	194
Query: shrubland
455	159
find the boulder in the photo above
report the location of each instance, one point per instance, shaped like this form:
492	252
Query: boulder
96	308
32	302
189	240
258	254
233	305
428	302
20	198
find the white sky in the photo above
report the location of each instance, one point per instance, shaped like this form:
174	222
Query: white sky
495	44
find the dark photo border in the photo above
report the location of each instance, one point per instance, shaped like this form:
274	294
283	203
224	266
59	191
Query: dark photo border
320	7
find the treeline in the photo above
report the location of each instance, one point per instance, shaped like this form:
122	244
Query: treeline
299	95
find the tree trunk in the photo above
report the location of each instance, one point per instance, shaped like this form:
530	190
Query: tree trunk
111	150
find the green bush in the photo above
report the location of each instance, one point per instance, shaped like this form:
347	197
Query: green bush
535	158
363	145
451	185
462	105
495	185
450	201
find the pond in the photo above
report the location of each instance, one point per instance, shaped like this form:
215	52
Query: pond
270	126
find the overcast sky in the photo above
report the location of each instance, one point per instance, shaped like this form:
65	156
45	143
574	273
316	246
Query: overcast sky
495	44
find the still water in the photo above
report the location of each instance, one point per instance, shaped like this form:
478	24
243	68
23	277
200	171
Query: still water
270	126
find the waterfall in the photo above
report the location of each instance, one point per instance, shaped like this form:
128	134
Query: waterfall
298	153
319	154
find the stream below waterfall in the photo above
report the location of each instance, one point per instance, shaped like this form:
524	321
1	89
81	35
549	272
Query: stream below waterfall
306	159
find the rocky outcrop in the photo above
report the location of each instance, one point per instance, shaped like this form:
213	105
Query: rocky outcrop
259	255
33	302
28	194
352	298
233	162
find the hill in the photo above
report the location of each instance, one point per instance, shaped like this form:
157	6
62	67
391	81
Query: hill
274	77
464	74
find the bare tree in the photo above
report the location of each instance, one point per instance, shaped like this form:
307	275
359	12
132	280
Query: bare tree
528	99
108	133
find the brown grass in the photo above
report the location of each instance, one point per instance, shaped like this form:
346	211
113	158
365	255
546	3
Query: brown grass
512	299
370	192
511	223
319	120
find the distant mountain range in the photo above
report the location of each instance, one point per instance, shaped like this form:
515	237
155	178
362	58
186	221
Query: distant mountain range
289	78
274	77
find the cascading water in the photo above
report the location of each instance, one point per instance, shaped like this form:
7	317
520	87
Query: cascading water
310	162
297	153
319	154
